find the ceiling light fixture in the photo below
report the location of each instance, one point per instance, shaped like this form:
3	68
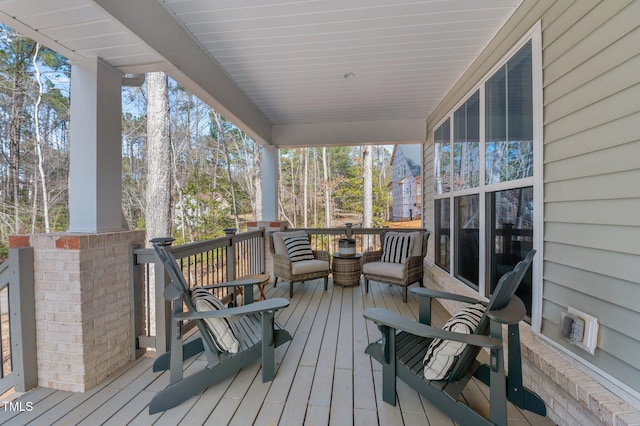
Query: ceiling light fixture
349	75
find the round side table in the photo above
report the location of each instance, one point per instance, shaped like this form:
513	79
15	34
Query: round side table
346	270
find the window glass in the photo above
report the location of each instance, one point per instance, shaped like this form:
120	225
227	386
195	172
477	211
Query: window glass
467	244
509	120
442	233
442	160
511	215
461	179
466	144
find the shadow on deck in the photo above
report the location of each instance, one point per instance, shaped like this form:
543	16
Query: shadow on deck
323	377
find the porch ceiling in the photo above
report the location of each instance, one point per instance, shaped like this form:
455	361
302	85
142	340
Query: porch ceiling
277	68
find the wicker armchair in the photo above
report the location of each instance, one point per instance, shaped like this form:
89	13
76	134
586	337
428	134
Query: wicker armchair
403	274
300	271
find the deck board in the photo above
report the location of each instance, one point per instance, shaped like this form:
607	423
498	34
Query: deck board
322	377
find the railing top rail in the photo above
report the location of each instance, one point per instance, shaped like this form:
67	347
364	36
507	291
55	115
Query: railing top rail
146	255
356	231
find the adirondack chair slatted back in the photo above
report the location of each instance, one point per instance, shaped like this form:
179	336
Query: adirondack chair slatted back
179	284
505	290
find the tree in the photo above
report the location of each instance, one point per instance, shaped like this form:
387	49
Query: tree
158	192
367	219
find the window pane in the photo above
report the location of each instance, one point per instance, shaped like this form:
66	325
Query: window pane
443	235
511	236
509	120
466	144
442	160
467	246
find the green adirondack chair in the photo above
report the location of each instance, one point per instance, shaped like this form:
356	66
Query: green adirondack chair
254	326
405	342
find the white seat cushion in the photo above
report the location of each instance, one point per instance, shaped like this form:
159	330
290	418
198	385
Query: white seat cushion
393	270
308	266
219	328
442	355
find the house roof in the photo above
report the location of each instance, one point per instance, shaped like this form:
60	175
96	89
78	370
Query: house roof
287	72
412	153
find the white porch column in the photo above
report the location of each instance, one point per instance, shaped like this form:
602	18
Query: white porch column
95	170
269	183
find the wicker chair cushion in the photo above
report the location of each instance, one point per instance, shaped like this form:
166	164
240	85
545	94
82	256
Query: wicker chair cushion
298	248
392	270
278	240
417	241
309	266
442	355
219	328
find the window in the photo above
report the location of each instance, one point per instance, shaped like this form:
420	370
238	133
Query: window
466	144
442	233
486	176
467	239
509	120
442	161
511	217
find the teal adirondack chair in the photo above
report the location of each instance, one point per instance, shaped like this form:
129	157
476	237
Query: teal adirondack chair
405	342
255	328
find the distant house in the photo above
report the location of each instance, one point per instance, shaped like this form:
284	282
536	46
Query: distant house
406	182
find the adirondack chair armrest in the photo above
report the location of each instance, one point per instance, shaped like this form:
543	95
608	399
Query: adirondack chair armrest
243	282
426	295
428	292
398	322
256	307
513	313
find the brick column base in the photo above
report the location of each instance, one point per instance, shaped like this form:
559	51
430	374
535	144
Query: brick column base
83	326
269	226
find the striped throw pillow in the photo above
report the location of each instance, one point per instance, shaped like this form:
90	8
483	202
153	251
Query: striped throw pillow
397	248
442	355
298	248
219	328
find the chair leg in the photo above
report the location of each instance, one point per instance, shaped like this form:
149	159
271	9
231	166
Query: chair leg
275	281
404	293
421	282
389	366
326	282
268	347
366	285
290	289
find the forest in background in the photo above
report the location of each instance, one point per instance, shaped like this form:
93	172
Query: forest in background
215	167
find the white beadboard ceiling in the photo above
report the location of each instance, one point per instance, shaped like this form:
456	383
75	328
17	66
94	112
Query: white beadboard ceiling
278	67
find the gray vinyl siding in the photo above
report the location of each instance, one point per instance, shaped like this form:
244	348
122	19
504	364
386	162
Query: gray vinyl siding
591	123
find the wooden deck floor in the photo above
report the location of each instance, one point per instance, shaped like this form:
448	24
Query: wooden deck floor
323	378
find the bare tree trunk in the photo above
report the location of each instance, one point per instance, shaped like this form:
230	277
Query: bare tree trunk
257	160
158	193
224	142
43	180
15	128
368	187
327	195
281	190
305	190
